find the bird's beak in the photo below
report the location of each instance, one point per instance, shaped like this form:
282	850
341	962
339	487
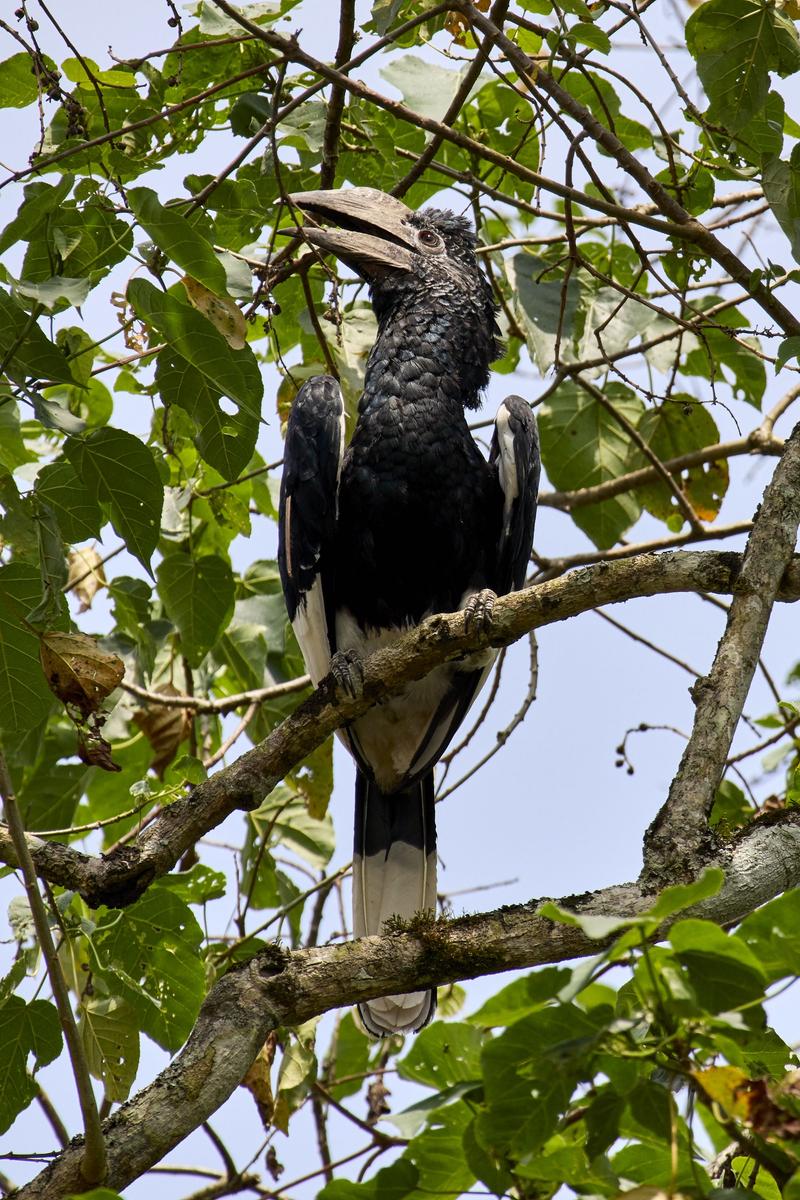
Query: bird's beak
373	235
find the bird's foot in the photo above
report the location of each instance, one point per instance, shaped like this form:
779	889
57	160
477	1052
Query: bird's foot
348	671
479	612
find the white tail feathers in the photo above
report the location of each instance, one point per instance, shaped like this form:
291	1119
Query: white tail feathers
394	875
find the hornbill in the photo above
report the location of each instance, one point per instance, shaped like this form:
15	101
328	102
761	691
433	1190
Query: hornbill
408	520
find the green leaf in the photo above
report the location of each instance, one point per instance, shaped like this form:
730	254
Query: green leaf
119	470
235	373
24	350
781	183
722	970
284	816
390	1183
25	698
196	886
544	304
583	445
41	199
772	934
736	43
521	997
225	440
588	34
19	84
24	1029
298	1070
180	241
530	1072
438	1155
653	1166
13	451
676	427
149	957
198	596
789	348
425	87
52	606
110	1042
352	1048
51	292
443	1054
77	511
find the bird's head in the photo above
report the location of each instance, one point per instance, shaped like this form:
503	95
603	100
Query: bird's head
408	258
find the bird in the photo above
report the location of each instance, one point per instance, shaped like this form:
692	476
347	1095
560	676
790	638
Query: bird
408	520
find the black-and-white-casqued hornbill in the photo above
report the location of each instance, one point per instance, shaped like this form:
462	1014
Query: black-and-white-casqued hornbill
408	520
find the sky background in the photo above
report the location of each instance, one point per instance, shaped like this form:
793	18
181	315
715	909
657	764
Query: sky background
551	813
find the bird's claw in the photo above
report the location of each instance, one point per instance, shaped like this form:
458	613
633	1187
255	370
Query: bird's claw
479	612
348	671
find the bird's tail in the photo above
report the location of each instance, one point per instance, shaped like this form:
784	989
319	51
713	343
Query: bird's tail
394	874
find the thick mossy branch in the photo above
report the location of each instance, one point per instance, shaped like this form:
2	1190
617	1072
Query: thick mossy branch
121	877
280	987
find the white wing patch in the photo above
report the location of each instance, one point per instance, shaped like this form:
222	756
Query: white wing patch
310	627
509	480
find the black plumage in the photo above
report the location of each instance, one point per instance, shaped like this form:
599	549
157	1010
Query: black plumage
408	520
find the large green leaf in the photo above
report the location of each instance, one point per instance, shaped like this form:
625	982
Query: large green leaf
781	181
676	427
149	957
76	509
444	1054
13	451
530	1072
545	305
180	241
235	373
583	445
198	596
41	199
736	43
722	969
24	1029
25	352
225	440
773	935
24	695
19	83
119	470
110	1042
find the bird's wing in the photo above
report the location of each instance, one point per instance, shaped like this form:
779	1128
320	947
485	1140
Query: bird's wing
514	454
312	463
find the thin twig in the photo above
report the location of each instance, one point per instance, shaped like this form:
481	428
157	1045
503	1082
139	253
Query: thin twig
93	1162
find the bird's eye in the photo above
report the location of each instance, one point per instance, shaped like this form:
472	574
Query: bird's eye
429	239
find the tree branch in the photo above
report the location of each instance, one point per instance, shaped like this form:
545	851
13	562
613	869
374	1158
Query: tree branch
279	987
120	877
535	79
680	832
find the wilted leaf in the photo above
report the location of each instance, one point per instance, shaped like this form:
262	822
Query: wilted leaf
165	728
79	671
223	313
86	575
258	1082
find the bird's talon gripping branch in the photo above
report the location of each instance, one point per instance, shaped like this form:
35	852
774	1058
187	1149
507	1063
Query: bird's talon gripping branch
348	671
479	612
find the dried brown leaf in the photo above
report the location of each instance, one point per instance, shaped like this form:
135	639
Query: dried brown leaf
79	671
165	728
86	575
259	1084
